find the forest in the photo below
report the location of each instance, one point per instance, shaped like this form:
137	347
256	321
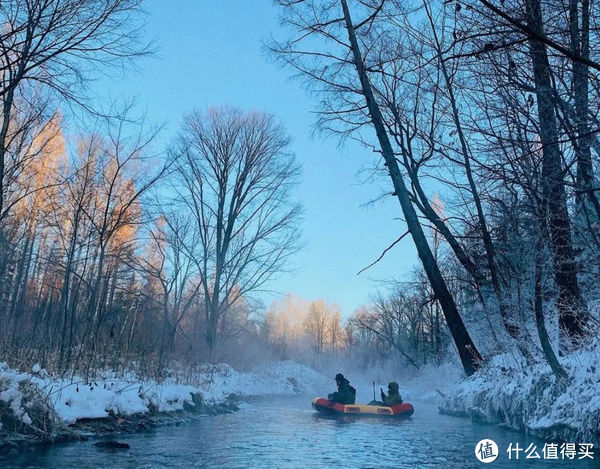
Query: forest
147	259
503	121
121	250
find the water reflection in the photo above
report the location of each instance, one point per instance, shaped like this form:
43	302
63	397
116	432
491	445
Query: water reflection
286	432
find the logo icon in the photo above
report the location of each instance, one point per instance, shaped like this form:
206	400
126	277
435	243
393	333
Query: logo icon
486	451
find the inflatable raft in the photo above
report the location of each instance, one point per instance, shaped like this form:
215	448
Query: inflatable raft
325	406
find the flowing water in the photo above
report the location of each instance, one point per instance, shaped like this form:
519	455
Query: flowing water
282	433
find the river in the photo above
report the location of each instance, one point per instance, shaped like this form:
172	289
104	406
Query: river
286	433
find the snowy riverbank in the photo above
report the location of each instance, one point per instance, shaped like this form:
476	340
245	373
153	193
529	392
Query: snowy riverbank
38	407
533	400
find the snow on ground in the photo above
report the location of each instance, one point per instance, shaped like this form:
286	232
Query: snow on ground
533	400
284	377
127	394
73	399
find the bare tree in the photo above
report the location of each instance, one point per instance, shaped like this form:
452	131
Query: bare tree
573	311
338	63
235	173
317	325
336	334
123	176
55	45
167	262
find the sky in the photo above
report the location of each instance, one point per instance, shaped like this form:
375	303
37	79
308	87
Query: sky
210	53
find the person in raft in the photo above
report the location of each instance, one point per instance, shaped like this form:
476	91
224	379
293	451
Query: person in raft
393	396
345	394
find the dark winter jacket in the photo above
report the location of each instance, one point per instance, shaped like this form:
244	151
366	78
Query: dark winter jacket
345	394
393	397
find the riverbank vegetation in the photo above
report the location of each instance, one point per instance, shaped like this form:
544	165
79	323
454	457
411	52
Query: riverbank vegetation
112	247
121	252
492	104
37	408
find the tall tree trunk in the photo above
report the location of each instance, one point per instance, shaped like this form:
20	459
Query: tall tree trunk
164	332
572	311
95	304
467	351
539	309
19	284
6	116
580	46
518	334
211	330
429	212
66	291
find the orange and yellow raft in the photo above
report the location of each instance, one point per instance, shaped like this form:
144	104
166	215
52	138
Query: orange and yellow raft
320	404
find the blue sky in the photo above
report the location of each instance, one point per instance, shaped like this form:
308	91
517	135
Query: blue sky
210	53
